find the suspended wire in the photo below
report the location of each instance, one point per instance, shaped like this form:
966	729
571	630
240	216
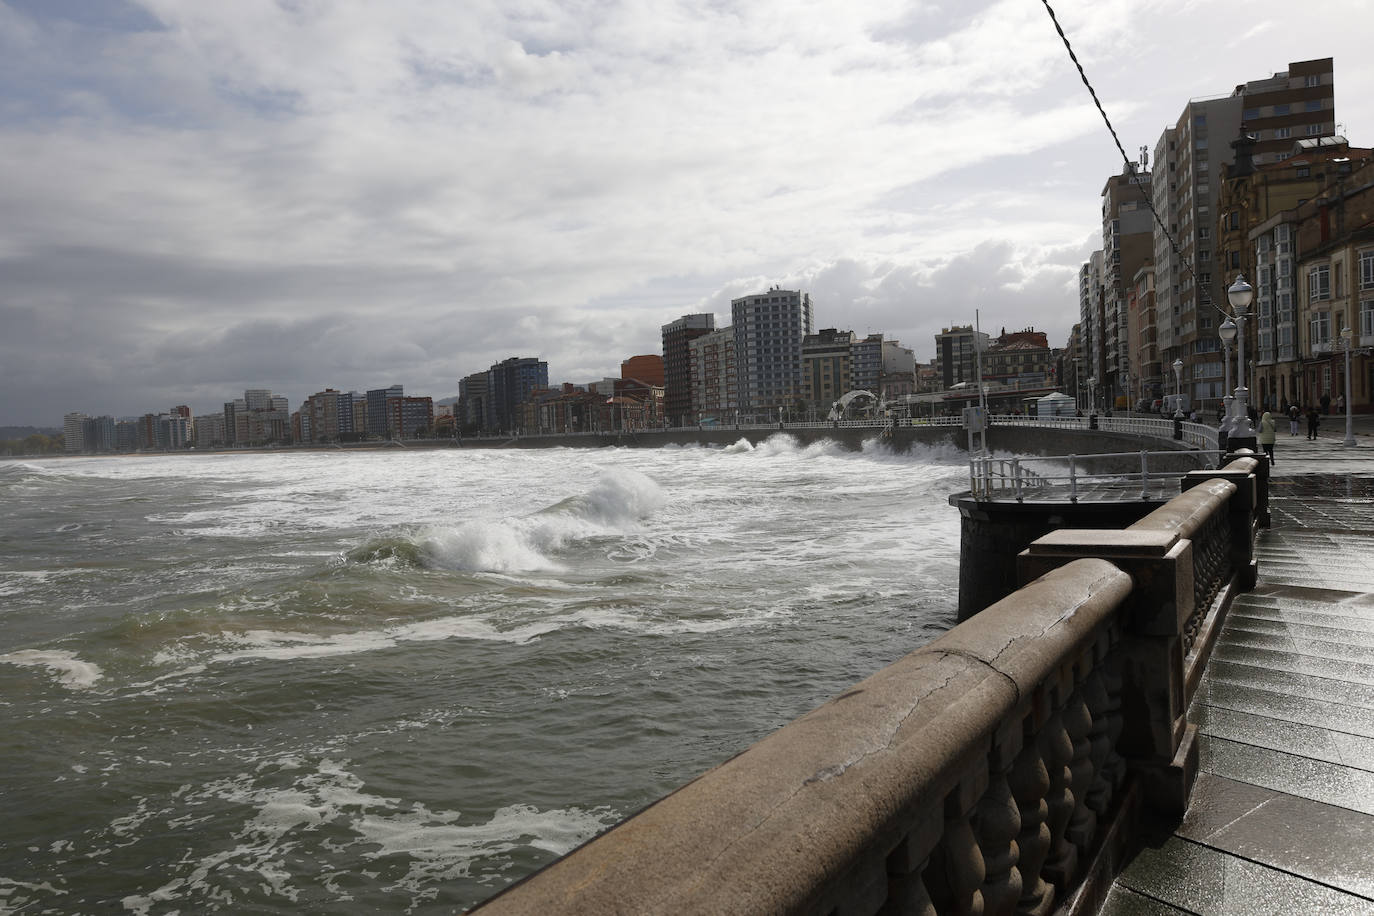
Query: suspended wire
1203	292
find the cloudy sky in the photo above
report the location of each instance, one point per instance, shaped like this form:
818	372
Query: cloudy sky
199	197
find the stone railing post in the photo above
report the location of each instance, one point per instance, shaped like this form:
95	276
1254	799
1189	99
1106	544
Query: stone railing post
1244	510
1156	740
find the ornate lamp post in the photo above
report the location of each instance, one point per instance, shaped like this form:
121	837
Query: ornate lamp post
1241	294
1178	399
1347	337
1227	333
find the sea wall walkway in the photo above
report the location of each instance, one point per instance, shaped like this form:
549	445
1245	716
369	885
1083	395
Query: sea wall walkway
1282	816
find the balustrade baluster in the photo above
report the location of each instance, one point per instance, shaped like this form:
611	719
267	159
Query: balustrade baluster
1056	747
1030	784
956	872
997	823
1078	722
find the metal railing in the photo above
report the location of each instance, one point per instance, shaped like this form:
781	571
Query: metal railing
1058	476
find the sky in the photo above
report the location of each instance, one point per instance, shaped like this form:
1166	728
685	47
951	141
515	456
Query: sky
198	198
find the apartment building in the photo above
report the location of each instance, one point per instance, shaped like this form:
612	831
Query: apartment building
678	372
826	358
714	393
769	330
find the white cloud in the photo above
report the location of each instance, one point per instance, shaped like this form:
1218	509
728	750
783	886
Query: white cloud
410	191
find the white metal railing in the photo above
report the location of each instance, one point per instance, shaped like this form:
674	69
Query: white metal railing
1196	435
993	478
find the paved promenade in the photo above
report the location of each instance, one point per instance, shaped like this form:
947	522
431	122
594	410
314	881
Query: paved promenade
1282	816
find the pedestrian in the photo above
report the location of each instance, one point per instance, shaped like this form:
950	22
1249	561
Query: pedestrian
1266	435
1294	414
1314	419
1340	403
1326	402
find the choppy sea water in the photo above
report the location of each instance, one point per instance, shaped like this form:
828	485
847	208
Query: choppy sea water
348	682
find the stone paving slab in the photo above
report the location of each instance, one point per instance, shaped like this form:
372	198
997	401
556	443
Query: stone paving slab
1199	879
1334	669
1324	649
1305	710
1293	684
1306	838
1255	614
1317	780
1305	627
1295	738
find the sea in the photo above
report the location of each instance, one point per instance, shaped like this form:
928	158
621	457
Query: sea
398	680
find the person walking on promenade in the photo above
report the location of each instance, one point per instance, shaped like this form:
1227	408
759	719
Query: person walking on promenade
1294	414
1266	435
1326	402
1314	419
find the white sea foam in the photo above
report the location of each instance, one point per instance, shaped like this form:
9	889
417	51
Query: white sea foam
435	843
531	543
69	670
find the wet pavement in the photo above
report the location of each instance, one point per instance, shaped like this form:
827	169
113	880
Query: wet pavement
1282	816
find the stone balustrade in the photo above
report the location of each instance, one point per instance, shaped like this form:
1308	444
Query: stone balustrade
987	772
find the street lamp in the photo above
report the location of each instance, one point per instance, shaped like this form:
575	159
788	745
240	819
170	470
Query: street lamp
1241	294
1178	399
1348	337
1227	333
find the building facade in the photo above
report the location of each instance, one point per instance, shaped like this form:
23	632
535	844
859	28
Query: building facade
714	394
769	329
677	365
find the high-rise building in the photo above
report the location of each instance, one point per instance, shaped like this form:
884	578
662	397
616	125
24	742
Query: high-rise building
769	329
1127	245
74	433
826	357
258	418
407	417
714	395
956	353
677	366
509	384
377	418
1190	283
472	399
208	430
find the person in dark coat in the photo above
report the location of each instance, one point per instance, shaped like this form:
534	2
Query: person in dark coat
1314	419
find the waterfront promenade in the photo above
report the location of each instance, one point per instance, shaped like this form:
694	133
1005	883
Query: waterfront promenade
1281	819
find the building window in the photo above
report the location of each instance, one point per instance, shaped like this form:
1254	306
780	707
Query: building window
1319	283
1250	114
1315	130
1282	133
1367	269
1367	318
1320	328
1313	79
1313	105
1204	233
1235	259
1201	143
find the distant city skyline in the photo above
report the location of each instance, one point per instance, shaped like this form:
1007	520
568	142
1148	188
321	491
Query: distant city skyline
205	198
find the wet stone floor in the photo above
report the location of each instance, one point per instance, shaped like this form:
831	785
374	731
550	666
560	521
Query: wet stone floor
1281	820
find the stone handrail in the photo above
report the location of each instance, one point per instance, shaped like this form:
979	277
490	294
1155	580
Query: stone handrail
982	773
